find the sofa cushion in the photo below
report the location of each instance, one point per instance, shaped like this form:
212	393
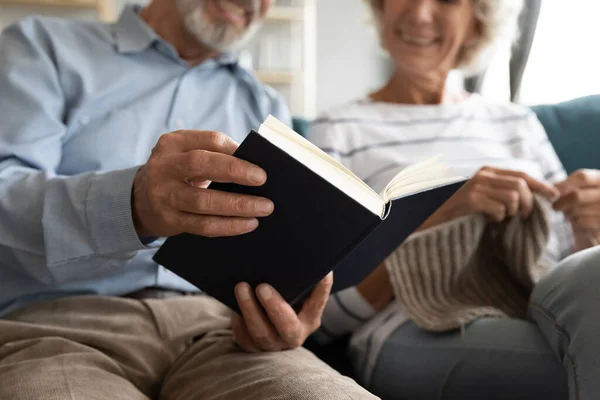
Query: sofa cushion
300	125
574	130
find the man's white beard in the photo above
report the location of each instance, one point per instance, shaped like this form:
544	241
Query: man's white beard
217	35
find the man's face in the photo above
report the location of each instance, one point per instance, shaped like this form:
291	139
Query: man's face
223	25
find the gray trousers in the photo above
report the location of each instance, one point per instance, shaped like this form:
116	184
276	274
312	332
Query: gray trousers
555	355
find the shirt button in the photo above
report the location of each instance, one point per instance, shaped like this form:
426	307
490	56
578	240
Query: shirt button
179	123
84	120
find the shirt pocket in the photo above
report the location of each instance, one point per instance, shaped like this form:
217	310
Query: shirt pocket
116	139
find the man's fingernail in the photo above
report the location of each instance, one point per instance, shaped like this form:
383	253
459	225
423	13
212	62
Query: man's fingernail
257	175
264	206
251	224
265	292
243	292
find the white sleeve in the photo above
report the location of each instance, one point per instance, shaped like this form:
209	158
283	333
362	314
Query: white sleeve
541	147
543	151
345	312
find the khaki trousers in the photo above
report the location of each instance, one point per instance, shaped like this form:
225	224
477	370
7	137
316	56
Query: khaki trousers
111	348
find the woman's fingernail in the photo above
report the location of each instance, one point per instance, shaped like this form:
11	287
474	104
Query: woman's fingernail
265	292
243	292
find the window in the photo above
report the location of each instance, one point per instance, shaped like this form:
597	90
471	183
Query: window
565	57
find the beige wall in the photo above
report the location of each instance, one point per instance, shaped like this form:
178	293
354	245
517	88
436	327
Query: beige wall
12	13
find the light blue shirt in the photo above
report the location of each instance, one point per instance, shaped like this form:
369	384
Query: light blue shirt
81	106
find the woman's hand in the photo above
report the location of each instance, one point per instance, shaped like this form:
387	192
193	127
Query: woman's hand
496	193
580	202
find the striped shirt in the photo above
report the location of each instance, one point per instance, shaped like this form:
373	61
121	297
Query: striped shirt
376	140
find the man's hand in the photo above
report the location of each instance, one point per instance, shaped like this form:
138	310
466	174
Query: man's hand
279	328
496	193
580	202
170	194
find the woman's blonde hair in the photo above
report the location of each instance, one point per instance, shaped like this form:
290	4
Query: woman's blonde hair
499	24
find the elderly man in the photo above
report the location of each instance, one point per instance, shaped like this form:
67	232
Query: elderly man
88	186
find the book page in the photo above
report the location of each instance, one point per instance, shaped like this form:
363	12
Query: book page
321	163
418	177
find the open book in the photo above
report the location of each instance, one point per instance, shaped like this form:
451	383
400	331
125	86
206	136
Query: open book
427	174
325	218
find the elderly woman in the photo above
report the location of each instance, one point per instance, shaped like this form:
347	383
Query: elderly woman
505	150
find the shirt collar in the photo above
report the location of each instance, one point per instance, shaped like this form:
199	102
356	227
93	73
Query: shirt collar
131	33
228	59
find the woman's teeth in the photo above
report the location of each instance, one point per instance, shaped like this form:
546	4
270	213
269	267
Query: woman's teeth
417	40
233	8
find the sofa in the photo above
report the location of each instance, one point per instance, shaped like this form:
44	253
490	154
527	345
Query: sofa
573	128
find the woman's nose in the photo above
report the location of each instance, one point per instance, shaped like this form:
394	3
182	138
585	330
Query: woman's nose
422	10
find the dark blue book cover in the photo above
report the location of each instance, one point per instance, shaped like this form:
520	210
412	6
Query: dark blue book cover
314	229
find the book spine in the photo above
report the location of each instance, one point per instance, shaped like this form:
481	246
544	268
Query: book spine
387	210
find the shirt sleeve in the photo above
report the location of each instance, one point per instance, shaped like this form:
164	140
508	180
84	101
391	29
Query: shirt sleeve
543	151
54	228
562	242
345	312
